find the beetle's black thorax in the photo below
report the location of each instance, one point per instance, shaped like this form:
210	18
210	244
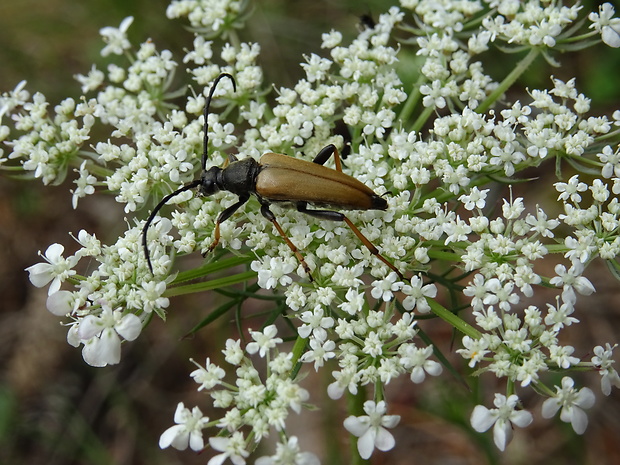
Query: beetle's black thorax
239	177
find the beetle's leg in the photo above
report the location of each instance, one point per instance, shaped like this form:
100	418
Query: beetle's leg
264	209
324	155
337	216
230	159
223	217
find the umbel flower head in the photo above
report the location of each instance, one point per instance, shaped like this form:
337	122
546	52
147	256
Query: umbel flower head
464	238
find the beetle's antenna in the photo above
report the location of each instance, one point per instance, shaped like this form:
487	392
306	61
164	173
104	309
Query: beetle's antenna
151	217
205	142
192	184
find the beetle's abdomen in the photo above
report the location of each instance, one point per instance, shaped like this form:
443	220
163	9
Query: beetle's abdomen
282	178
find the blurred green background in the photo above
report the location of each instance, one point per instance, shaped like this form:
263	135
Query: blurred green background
55	410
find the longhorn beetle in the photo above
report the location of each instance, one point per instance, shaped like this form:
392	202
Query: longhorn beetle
280	178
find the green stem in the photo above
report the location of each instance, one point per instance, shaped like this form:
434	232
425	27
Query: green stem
580	38
209	285
422	119
355	406
299	348
452	319
412	100
217	265
509	80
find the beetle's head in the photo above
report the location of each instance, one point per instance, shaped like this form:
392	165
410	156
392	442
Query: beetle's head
210	181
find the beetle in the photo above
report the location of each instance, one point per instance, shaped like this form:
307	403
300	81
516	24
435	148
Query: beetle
366	22
280	178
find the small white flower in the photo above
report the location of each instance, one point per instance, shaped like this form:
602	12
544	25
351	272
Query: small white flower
354	301
475	199
315	322
540	224
502	295
571	281
319	352
416	360
503	417
289	394
572	403
187	431
506	157
57	269
102	335
570	190
477	290
273	272
562	356
558	316
289	454
606	24
603	361
475	349
116	38
91	246
263	341
434	94
316	67
346	379
417	294
233	353
233	448
385	288
84	184
92	80
209	376
151	295
331	39
371	428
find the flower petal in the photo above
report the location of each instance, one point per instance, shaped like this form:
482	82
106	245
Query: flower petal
579	420
173	436
60	303
357	426
482	418
129	327
366	444
502	434
384	440
550	407
521	418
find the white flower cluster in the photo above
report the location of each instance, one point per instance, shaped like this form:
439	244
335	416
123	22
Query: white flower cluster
260	404
113	285
427	128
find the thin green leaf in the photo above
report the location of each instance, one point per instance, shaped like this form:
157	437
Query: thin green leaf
212	267
580	167
211	284
214	315
452	319
614	268
251	294
298	350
